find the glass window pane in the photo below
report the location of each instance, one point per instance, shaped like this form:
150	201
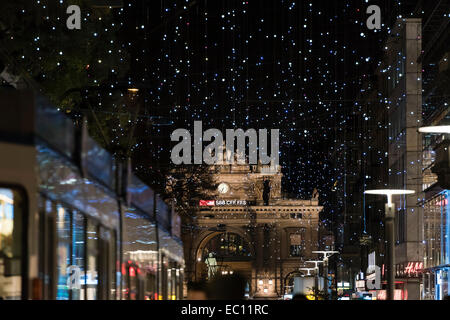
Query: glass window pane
11	204
63	252
78	253
113	267
47	246
92	263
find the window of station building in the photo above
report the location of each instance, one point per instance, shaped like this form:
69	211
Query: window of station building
227	245
12	204
297	243
296	215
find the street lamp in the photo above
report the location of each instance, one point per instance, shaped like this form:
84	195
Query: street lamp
326	255
307	270
389	230
316	275
435	129
133	90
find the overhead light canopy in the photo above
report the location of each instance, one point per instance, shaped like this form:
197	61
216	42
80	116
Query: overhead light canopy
389	193
435	129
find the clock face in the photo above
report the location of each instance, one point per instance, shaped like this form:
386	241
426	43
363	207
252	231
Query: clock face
223	188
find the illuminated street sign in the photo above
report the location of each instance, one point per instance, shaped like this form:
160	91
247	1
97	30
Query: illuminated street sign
207	203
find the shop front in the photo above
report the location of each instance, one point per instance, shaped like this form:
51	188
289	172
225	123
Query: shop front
435	279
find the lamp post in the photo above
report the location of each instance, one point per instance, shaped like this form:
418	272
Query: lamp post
316	276
308	270
389	233
326	255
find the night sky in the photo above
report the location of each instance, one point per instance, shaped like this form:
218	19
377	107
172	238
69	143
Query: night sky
293	65
297	66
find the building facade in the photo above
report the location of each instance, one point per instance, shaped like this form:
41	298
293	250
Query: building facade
385	152
436	219
403	78
436	89
248	227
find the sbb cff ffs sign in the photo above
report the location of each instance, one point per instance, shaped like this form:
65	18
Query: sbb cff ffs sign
212	203
207	203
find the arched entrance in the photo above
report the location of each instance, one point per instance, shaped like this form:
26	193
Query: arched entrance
232	253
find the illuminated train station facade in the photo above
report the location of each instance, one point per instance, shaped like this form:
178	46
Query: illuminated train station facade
249	228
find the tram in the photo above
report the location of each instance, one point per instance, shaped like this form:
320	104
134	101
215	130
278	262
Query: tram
75	224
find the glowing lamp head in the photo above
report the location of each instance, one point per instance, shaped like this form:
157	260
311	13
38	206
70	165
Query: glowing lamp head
389	193
435	129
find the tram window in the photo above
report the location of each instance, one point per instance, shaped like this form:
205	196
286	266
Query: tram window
63	252
11	214
92	262
77	252
106	265
46	247
150	284
113	265
132	292
118	269
169	284
173	281
78	257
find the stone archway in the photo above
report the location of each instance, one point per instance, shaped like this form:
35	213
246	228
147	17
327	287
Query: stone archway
204	239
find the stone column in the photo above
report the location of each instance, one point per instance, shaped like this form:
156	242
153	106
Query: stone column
260	247
273	255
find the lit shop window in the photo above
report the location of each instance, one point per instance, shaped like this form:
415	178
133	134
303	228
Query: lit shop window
11	213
